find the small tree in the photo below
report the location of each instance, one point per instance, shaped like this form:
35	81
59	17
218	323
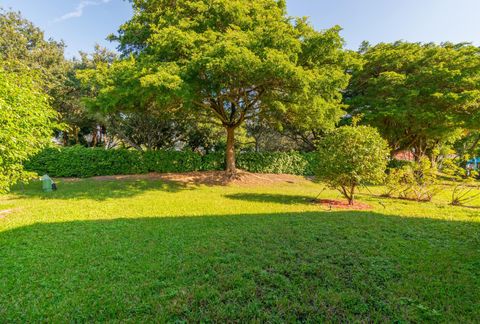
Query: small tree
352	156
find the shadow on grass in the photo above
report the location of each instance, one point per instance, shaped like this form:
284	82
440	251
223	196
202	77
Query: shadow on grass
97	190
272	198
313	267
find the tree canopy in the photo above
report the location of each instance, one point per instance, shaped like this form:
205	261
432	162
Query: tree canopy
234	76
24	45
226	61
418	95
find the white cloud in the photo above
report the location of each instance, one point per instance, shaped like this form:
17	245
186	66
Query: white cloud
78	12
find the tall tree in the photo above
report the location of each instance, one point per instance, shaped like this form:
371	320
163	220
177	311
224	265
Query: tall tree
68	97
228	60
418	95
24	45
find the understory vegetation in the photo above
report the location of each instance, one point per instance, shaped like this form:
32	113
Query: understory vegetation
78	161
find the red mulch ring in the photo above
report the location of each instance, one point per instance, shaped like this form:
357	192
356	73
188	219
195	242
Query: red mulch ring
343	204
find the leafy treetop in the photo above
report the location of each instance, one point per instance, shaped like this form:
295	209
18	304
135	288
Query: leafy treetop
226	60
23	45
418	95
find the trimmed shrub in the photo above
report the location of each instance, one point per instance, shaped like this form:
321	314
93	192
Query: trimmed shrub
172	161
350	157
84	162
213	162
78	161
274	162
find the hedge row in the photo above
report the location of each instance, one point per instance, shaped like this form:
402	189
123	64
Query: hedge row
84	162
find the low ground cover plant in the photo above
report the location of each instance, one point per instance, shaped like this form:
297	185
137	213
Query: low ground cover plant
414	181
465	186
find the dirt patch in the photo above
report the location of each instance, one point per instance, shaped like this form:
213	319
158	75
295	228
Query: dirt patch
5	213
242	178
210	178
340	204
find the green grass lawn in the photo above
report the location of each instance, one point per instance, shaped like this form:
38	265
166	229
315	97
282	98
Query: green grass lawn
135	251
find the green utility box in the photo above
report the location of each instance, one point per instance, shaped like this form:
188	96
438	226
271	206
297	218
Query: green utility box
47	183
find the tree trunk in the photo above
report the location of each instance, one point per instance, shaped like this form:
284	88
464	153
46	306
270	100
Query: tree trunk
351	198
76	130
420	150
475	143
65	138
230	156
94	138
348	193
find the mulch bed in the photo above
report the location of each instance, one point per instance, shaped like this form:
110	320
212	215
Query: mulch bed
210	178
343	204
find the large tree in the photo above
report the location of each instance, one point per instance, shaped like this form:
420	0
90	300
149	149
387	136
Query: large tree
24	45
418	95
69	96
227	61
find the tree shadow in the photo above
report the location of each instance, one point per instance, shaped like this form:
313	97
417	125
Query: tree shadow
96	190
272	198
469	206
309	266
386	198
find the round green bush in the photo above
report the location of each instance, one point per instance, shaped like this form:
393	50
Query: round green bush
352	156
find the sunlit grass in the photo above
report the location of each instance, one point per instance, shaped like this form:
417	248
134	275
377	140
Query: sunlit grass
155	251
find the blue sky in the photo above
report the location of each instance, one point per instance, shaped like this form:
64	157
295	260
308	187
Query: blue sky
82	23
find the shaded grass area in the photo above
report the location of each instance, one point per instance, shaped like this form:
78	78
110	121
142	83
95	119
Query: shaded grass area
147	251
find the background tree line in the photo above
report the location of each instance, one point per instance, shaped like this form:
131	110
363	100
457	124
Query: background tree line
212	76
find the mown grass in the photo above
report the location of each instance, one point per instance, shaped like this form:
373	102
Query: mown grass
136	251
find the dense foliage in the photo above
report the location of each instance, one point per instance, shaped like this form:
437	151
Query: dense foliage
420	96
227	61
26	121
352	156
190	69
24	45
78	161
